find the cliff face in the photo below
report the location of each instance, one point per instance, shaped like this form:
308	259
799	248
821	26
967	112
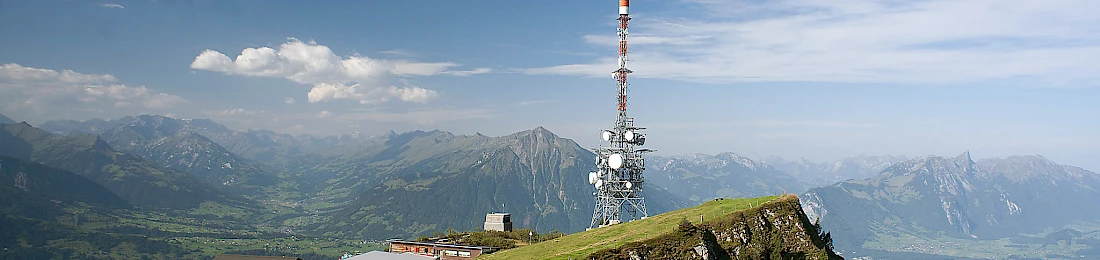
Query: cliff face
774	230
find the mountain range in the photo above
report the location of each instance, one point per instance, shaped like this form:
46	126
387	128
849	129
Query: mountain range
130	177
700	177
6	120
366	186
955	199
816	174
420	182
171	142
282	151
427	177
41	192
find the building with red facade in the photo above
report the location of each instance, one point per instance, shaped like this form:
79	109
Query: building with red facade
440	250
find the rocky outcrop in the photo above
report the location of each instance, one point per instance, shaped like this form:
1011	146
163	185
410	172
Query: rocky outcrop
774	230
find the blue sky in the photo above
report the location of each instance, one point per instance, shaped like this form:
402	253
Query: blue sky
796	78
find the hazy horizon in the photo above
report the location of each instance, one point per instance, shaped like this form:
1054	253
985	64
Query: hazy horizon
793	78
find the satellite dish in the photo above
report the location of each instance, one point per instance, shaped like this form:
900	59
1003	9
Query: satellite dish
606	135
629	135
629	185
592	178
599	183
615	161
641	140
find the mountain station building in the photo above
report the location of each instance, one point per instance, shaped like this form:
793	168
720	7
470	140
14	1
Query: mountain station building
440	250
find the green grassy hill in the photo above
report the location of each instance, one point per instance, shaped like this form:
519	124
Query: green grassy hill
579	245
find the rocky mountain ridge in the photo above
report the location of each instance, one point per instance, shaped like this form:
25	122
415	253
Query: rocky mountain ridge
263	146
700	177
535	175
132	178
996	198
172	143
816	174
6	120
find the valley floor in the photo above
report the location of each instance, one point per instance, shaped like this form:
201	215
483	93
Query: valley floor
1080	240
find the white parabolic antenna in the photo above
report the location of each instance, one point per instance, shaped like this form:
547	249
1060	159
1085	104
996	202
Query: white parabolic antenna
606	136
615	161
599	183
629	185
592	178
629	135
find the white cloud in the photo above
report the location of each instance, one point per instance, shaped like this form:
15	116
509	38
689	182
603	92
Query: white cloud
17	73
464	73
420	68
239	111
931	41
324	114
36	93
112	5
368	95
355	77
399	52
288	100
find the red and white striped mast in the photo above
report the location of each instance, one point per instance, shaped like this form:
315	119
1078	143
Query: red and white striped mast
619	179
622	72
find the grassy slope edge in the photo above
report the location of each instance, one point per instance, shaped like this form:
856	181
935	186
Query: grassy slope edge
579	245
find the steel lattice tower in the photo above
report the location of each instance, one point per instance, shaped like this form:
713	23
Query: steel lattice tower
619	180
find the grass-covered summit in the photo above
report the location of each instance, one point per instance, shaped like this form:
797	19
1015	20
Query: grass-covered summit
756	228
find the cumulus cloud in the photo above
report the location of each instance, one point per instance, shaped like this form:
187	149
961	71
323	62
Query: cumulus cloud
302	62
45	93
288	100
929	41
112	5
368	95
324	114
355	77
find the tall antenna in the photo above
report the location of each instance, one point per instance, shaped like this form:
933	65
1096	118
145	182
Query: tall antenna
619	179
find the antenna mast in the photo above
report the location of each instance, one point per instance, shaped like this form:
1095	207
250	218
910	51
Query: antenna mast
619	179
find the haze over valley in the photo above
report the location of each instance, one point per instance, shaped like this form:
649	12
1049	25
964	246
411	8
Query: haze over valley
187	130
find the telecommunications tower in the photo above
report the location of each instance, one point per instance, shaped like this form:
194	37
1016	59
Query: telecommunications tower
619	179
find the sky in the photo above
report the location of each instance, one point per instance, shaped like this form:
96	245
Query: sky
795	78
